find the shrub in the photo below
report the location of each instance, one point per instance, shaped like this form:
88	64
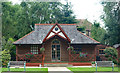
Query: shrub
5	57
111	54
93	62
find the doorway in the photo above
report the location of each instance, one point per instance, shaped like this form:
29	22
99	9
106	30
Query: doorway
56	50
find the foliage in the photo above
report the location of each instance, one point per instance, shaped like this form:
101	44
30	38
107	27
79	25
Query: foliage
8	50
81	28
83	54
93	62
42	49
111	54
112	22
97	32
5	57
19	19
28	55
70	48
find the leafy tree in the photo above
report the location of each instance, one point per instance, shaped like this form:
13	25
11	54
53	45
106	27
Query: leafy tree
8	51
111	54
9	19
81	28
111	19
5	57
67	15
97	32
19	19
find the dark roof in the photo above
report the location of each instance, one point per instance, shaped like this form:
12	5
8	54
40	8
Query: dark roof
41	30
116	45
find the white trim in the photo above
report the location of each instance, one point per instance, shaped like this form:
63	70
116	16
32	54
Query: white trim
55	30
61	34
51	34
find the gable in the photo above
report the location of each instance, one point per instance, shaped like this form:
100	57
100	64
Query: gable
56	30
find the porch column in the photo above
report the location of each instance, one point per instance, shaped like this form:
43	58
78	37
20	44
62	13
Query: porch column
16	53
43	56
96	47
69	54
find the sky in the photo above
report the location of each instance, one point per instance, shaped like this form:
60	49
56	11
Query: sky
84	9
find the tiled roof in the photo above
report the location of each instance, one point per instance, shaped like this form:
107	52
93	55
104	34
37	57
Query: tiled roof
41	30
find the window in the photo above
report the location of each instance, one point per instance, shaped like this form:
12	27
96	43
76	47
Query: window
34	49
101	50
56	28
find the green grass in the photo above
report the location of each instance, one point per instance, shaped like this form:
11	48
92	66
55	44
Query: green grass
28	70
91	69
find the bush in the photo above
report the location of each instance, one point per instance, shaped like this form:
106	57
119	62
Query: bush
5	57
7	50
111	54
93	62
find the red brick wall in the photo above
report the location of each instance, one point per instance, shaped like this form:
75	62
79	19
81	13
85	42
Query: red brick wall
22	50
90	49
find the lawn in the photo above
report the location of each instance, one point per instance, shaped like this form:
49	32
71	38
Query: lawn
28	70
91	69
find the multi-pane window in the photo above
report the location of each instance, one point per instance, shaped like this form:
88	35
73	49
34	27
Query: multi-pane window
101	50
34	49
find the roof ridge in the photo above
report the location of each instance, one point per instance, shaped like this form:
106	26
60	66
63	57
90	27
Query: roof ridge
54	24
23	37
89	37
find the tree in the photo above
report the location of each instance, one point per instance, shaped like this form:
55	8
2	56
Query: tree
111	19
5	57
81	29
8	51
111	54
18	20
97	32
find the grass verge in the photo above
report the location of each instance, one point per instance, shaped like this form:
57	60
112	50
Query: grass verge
28	70
91	69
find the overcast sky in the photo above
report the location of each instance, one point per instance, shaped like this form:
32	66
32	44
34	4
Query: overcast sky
84	9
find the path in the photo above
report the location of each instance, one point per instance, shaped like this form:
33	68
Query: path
58	70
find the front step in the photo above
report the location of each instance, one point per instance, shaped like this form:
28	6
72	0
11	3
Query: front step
57	65
81	64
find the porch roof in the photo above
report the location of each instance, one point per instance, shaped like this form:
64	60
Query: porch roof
41	30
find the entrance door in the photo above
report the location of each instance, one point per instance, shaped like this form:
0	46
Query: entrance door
55	50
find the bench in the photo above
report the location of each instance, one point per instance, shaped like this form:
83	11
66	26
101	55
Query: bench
104	64
16	64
